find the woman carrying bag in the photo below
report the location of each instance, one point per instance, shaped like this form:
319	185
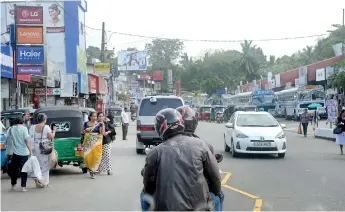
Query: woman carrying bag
42	146
340	131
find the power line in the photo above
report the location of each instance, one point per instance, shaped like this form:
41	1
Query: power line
201	40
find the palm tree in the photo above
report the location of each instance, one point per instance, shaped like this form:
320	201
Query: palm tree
247	62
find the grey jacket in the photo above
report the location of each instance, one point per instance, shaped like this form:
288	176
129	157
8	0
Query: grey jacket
180	173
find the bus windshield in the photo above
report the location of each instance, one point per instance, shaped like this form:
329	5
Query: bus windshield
312	95
263	99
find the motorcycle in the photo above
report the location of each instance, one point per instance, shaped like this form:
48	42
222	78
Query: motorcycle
133	116
219	118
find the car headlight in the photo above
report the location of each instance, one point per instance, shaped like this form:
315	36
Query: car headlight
240	134
281	135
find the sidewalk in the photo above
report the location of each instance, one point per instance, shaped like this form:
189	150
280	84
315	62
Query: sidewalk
322	131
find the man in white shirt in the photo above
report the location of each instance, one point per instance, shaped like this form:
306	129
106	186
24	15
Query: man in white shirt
125	123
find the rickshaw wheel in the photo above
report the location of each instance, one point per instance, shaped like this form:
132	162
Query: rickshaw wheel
84	170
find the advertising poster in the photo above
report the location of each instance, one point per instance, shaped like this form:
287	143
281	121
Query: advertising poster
6	62
50	74
66	85
102	67
157	75
84	83
53	32
29	15
170	77
81	60
332	106
30	69
30	54
29	35
320	74
132	60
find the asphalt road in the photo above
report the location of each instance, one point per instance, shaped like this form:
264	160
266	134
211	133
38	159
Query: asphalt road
310	177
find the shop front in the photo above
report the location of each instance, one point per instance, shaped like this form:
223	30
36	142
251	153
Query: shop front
83	87
102	90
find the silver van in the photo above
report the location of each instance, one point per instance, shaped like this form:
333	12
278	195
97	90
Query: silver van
148	108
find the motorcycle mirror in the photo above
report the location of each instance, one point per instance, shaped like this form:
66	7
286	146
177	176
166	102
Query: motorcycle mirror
219	157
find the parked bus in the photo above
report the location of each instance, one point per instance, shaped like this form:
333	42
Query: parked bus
240	99
294	101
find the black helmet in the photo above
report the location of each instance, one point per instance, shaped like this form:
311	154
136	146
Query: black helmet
168	123
189	118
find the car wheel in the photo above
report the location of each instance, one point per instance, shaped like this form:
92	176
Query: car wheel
140	151
281	155
233	152
226	147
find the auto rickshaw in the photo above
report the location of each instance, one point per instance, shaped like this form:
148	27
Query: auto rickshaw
116	112
218	111
69	126
205	112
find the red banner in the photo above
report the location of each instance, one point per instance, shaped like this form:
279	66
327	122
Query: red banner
157	75
101	86
29	15
99	106
93	83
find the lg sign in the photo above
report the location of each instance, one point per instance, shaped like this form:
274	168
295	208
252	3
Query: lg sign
29	15
30	54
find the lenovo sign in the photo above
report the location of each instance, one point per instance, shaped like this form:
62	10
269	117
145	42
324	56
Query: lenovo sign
30	35
29	15
30	54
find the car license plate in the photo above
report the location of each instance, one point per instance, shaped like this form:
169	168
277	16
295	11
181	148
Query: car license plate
262	144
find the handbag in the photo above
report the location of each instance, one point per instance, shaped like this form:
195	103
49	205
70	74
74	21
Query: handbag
337	130
46	148
299	129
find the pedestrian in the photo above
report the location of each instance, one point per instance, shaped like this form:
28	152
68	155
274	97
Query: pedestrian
92	143
340	138
108	138
41	134
125	123
27	120
316	119
305	119
19	140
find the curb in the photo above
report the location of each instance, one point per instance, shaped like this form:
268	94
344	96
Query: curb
326	138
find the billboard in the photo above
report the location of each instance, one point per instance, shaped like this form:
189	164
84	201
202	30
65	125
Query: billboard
102	67
30	69
81	61
29	35
132	60
30	54
170	77
6	62
320	74
54	16
157	75
29	15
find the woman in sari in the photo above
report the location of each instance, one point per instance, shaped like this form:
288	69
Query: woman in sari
93	137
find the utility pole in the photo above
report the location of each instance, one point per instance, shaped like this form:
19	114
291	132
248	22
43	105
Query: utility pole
343	30
103	43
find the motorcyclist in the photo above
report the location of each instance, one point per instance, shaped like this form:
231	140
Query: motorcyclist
181	173
190	122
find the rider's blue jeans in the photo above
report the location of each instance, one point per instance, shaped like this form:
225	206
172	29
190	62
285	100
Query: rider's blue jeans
218	202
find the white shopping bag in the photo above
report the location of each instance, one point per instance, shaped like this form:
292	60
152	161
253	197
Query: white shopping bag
32	167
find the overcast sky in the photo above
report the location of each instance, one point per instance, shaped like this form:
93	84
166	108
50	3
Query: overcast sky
213	20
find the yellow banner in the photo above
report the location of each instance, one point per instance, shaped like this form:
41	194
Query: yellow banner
102	67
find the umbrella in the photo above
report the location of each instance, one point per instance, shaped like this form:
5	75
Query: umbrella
314	105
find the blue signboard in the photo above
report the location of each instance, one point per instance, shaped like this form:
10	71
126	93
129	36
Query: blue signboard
263	92
6	61
220	91
30	54
83	83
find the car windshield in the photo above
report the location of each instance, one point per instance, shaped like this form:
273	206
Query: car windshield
256	120
219	109
148	108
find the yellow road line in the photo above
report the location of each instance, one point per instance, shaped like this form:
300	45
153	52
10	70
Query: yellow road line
241	192
226	178
258	204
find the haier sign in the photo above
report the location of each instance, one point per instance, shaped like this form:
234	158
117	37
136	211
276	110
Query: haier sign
30	54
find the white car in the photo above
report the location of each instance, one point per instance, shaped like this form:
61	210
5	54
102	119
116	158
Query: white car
254	133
